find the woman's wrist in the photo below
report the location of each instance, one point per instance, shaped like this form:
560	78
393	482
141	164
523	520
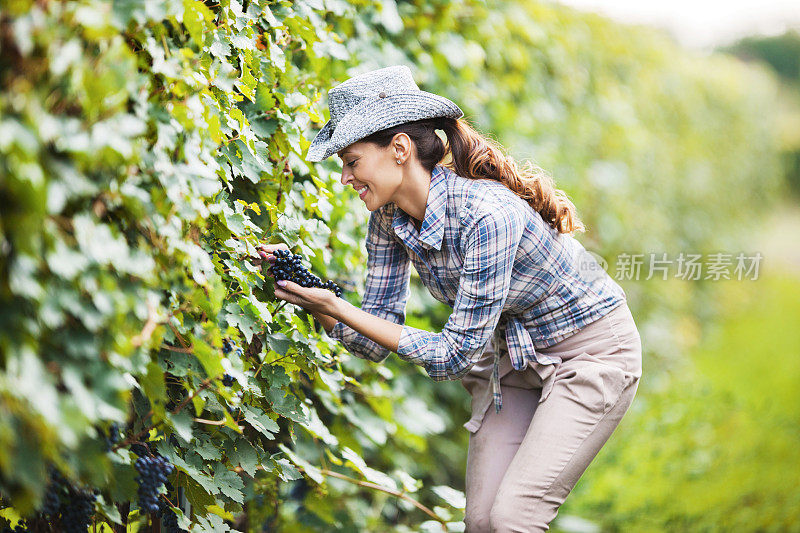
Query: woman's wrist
335	308
329	317
373	327
326	321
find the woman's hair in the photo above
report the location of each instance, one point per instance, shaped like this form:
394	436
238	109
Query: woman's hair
476	157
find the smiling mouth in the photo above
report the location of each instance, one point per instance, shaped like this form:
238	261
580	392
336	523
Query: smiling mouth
362	192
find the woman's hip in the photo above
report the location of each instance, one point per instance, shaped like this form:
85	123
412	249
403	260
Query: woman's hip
613	339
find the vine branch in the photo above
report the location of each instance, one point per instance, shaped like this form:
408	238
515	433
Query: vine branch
178	408
370	485
149	326
393	492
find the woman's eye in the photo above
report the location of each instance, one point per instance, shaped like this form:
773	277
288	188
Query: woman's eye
351	164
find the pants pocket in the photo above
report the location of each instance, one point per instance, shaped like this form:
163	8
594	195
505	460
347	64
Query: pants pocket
595	384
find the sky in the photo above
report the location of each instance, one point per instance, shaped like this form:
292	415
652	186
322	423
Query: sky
701	24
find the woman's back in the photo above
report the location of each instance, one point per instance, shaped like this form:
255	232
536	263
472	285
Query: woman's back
555	284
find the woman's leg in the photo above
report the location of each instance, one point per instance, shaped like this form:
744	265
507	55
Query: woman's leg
587	402
492	448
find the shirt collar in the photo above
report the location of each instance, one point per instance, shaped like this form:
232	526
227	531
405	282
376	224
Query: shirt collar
432	229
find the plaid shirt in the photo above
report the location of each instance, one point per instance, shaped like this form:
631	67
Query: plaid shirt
487	254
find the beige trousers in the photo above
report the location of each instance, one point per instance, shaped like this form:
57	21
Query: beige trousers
524	461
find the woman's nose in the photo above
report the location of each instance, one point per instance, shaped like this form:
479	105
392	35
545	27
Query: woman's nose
346	178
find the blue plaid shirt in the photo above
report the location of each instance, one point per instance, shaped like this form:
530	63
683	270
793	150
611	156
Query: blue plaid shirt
487	254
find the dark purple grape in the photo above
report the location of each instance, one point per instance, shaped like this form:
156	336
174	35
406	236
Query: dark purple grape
140	449
227	346
168	518
76	514
153	472
289	266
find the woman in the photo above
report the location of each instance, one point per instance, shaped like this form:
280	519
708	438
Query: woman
537	327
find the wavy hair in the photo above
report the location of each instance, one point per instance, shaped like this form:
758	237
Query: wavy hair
477	157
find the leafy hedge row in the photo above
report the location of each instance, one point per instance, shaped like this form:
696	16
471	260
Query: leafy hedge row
145	150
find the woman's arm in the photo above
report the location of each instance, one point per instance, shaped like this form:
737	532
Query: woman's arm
385	293
327	321
330	309
375	328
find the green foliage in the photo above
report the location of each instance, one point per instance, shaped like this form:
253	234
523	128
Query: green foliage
715	450
146	148
782	52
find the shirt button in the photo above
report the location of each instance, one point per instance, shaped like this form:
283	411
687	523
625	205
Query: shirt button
382	94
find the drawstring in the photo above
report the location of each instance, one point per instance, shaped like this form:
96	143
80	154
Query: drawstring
499	347
498	398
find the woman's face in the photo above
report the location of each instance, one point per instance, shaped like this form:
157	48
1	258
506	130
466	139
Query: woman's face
372	172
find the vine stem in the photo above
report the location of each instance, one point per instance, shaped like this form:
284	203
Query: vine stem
209	422
375	486
393	492
135	438
280	306
149	326
270	363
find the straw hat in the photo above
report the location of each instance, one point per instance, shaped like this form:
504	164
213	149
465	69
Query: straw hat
374	101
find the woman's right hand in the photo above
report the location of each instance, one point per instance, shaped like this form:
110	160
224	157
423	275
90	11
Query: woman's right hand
265	253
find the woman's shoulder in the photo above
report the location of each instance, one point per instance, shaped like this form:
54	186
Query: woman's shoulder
476	198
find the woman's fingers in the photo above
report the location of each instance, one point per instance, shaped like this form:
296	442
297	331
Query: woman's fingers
265	252
287	285
270	248
285	291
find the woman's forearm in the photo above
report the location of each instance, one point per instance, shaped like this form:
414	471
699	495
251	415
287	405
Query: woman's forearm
375	328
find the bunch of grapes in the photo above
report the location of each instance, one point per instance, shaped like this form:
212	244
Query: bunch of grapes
52	496
153	472
288	266
74	505
169	518
77	515
229	346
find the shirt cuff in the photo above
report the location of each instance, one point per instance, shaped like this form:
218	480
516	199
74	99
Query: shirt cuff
337	332
413	344
357	344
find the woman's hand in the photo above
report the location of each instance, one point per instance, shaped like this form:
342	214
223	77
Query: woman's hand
312	299
265	252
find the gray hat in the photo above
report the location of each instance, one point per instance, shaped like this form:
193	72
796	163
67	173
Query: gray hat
374	101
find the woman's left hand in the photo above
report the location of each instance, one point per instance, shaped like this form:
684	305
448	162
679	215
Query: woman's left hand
312	299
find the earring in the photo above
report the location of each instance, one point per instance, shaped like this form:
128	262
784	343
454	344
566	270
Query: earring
398	161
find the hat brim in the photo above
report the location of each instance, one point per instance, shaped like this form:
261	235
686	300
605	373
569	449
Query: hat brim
378	114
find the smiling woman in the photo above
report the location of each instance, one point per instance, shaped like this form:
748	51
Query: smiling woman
389	174
493	242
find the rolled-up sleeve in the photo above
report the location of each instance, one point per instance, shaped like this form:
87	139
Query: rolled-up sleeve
386	289
489	249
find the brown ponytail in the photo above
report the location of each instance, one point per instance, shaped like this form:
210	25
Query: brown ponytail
477	157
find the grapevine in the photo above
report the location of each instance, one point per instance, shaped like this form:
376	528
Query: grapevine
169	518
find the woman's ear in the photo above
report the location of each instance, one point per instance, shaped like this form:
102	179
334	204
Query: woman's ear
402	146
